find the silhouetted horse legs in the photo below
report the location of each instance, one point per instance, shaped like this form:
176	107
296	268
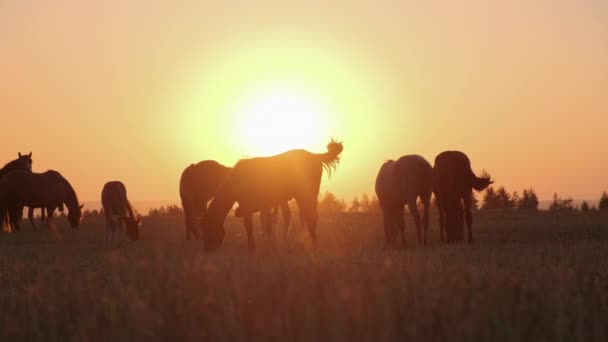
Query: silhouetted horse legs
441	212
110	228
249	228
30	216
468	204
15	213
308	211
426	202
422	227
191	214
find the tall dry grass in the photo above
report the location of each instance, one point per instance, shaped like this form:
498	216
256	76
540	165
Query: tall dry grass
529	276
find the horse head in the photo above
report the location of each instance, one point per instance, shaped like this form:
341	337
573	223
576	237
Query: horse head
133	224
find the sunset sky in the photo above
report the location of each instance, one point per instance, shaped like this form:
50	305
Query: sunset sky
137	90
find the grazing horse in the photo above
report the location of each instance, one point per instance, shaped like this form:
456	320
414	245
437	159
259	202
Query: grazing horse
453	181
117	209
399	183
258	184
49	189
199	184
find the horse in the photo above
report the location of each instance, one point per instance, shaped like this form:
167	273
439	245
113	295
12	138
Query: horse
258	184
117	209
49	189
23	162
453	183
400	183
199	184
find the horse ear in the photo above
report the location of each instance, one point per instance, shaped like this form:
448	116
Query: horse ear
30	155
19	153
138	221
81	206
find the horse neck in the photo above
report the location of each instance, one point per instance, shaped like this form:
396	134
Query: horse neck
70	199
220	206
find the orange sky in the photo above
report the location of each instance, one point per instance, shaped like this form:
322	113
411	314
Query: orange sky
136	92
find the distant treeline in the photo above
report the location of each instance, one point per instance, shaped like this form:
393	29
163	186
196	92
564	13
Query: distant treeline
492	199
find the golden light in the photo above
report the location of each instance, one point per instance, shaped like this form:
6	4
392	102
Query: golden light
262	96
280	118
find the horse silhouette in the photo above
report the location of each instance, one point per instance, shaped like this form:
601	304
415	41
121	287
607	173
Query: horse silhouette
23	162
453	181
401	183
49	189
118	210
258	184
199	184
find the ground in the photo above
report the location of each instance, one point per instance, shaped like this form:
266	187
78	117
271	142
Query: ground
528	276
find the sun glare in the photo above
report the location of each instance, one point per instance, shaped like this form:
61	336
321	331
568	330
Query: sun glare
279	119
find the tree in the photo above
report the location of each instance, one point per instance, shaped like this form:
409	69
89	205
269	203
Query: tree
490	200
355	206
603	205
560	204
497	199
474	201
528	200
331	204
585	206
505	200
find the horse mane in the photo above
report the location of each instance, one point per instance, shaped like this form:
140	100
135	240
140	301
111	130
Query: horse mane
71	194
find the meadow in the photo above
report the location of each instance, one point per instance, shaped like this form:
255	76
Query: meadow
536	276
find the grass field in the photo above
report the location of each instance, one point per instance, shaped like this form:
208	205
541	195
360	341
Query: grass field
528	276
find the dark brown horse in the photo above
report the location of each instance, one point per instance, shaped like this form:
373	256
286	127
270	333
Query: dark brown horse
48	189
118	210
199	184
259	184
401	183
453	181
23	162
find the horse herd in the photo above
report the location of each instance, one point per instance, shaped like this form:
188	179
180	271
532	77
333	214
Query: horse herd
265	185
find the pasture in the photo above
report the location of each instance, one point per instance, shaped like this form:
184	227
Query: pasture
536	276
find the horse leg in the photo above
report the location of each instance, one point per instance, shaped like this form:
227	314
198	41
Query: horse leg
468	203
400	221
441	214
413	207
249	228
426	201
109	226
30	216
266	218
43	211
308	209
386	222
286	217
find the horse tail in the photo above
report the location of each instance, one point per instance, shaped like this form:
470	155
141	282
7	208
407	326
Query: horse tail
331	158
482	182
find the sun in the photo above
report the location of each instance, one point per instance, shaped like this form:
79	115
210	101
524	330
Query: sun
275	119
